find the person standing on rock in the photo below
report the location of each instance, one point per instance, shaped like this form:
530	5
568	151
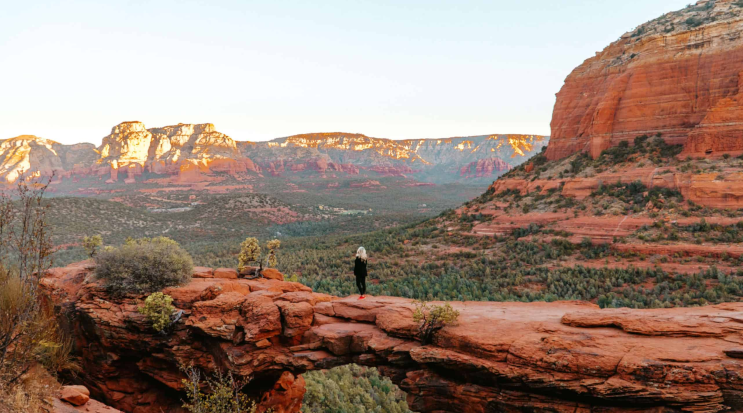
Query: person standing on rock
359	270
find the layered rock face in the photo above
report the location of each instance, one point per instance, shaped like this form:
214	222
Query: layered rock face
36	156
485	168
171	149
129	142
512	149
433	160
678	75
538	357
192	151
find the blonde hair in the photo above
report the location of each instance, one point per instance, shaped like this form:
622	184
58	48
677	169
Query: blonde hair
361	253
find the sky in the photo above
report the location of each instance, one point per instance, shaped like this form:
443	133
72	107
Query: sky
399	69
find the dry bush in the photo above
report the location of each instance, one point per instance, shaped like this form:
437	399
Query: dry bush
217	394
250	252
29	333
144	266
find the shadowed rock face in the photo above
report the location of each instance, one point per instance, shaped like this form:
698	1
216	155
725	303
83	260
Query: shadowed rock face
678	75
537	357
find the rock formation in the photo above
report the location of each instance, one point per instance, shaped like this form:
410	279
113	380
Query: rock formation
485	168
678	75
38	156
320	165
539	357
179	149
194	152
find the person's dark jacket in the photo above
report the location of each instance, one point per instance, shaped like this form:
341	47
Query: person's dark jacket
359	268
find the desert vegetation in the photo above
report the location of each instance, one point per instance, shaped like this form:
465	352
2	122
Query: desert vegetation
158	308
218	393
431	318
31	343
352	389
215	222
144	265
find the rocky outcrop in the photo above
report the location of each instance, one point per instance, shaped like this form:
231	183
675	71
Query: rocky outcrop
678	75
36	156
538	357
131	149
75	395
723	189
74	399
320	165
93	406
485	168
185	150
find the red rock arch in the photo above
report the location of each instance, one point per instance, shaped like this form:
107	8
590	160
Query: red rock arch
536	357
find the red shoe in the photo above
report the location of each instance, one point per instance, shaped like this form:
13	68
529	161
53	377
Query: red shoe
361	297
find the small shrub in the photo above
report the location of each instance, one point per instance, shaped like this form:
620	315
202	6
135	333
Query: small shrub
144	266
431	319
250	252
92	245
694	22
158	308
272	246
523	232
222	395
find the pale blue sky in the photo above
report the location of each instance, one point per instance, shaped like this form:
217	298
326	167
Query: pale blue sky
70	70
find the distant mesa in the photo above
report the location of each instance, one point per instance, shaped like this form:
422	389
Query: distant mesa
196	152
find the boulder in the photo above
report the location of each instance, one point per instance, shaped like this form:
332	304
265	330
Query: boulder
272	274
226	273
296	318
203	272
75	395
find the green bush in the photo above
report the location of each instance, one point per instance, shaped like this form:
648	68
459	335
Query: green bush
433	318
92	245
158	308
144	266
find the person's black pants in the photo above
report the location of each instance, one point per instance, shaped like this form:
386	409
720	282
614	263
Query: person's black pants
361	284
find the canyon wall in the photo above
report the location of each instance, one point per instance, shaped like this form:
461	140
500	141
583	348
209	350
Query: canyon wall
511	357
192	151
678	75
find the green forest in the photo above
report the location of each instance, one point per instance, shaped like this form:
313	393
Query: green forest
352	389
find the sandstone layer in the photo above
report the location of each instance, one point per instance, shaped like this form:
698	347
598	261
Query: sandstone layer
538	357
678	75
485	168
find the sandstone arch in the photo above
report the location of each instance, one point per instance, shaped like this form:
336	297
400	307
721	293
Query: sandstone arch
537	357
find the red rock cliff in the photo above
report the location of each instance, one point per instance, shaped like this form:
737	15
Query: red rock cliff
505	357
678	75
